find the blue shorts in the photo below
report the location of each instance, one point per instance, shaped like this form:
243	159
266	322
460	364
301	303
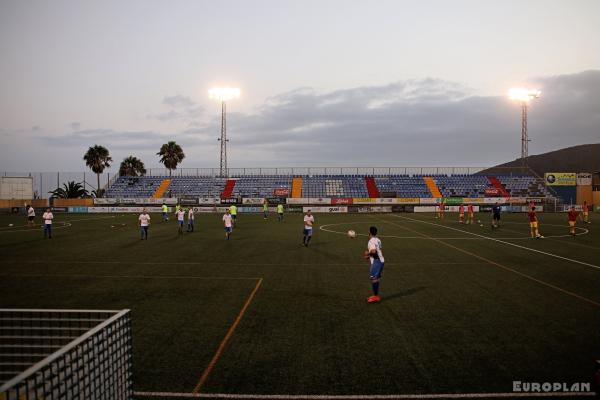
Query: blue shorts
228	229
234	216
308	232
180	223
376	269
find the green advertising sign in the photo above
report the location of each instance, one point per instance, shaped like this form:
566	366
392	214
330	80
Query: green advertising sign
453	201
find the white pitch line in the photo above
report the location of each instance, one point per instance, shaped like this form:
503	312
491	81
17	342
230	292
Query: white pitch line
208	278
91	219
65	224
503	242
322	227
37	228
360	396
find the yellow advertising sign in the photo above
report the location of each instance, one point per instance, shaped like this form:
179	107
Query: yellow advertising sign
473	200
560	178
358	200
407	200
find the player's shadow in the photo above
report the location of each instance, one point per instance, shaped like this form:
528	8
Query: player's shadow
405	292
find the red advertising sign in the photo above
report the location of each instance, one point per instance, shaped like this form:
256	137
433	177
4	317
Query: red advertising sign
492	192
281	192
341	201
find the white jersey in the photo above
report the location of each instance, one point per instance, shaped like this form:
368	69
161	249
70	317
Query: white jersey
31	212
191	215
180	215
48	217
227	220
144	219
375	244
308	221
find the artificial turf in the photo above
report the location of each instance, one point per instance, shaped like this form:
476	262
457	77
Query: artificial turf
460	313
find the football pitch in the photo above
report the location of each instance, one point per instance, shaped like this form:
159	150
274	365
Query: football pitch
464	309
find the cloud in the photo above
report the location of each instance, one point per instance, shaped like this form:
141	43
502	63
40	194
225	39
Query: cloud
415	122
112	139
168	116
178	101
426	122
181	109
75	126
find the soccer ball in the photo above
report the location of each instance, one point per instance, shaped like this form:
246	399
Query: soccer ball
478	221
12	225
351	234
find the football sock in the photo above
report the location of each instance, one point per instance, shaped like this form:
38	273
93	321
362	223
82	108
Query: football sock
375	286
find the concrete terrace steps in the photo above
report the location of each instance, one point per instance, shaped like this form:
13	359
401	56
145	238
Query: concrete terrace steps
229	185
160	191
433	188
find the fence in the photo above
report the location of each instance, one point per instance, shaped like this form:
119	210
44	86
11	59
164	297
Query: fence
234	172
45	182
65	354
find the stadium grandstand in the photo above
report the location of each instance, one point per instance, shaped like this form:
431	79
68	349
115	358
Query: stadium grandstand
330	186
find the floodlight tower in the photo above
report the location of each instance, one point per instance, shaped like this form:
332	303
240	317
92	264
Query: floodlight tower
524	96
223	95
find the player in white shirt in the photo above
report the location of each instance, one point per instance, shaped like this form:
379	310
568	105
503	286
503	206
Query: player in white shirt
228	224
190	227
180	219
30	216
48	217
144	219
375	255
309	220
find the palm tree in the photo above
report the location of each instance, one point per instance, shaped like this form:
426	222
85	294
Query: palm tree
171	155
132	166
97	158
70	190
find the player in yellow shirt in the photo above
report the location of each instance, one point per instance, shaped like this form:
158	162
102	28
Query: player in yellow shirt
165	212
279	212
233	212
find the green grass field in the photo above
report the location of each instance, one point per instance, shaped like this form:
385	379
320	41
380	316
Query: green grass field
460	313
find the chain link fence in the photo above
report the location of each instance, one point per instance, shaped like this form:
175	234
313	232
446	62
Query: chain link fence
65	354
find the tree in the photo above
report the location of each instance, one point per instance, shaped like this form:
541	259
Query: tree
171	155
132	166
97	158
70	190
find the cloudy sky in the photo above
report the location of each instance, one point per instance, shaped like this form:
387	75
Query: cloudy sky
324	82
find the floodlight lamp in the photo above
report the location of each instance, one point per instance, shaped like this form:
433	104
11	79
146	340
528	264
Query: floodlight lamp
224	94
523	95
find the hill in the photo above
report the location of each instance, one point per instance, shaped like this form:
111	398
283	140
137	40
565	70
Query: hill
582	158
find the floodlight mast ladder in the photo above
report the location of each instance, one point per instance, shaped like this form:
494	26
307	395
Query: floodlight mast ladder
223	139
524	136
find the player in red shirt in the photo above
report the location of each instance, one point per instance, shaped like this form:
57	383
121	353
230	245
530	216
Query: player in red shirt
572	216
461	214
533	224
586	213
441	210
470	214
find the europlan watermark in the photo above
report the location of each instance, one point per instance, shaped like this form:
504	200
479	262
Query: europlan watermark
549	387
